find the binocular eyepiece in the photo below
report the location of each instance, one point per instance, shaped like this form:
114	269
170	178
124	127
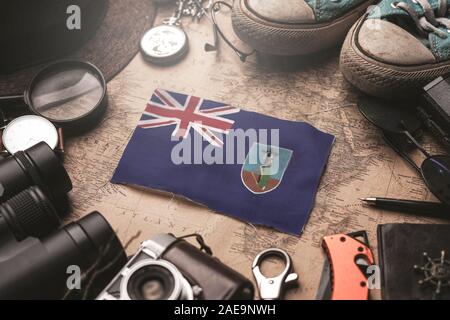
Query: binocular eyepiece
35	255
29	214
37	166
39	268
31	182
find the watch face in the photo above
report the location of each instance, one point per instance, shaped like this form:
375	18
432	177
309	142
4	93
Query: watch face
27	131
164	43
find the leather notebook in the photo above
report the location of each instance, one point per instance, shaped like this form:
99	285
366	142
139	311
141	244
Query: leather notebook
414	261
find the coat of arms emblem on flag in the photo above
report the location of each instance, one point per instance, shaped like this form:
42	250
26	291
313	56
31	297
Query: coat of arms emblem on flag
264	167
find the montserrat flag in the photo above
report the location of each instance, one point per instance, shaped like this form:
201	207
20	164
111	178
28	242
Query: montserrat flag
244	164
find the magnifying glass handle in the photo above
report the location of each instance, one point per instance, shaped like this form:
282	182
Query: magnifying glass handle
12	102
8	99
12	105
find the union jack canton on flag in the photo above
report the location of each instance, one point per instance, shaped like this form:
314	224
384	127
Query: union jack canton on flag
253	167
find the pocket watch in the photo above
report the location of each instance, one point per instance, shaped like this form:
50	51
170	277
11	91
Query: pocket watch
166	43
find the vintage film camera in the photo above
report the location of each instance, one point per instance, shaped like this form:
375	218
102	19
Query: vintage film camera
170	268
34	254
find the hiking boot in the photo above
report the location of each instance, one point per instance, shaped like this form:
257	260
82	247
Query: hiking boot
294	27
397	47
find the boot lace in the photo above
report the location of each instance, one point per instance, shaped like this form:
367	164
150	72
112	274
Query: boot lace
431	20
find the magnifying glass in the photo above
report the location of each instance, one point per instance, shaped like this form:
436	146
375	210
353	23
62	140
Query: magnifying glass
72	94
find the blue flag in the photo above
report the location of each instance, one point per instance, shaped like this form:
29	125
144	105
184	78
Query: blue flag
253	167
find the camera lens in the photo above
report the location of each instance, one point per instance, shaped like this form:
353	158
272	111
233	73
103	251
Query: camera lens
38	165
29	214
155	280
151	283
152	289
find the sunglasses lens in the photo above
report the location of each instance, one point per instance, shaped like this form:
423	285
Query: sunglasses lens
436	172
389	116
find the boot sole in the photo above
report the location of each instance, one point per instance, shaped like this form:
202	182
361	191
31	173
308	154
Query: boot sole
290	39
381	79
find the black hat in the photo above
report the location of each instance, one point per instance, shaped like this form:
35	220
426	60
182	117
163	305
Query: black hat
34	33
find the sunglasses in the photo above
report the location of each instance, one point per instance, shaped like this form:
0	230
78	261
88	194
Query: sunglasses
402	128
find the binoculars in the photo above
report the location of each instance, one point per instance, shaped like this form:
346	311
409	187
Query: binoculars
37	257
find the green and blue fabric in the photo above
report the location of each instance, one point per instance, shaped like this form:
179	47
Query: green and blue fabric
329	10
432	30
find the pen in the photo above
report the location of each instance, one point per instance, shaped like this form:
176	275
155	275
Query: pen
419	208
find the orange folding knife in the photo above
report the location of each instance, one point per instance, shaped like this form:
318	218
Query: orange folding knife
344	274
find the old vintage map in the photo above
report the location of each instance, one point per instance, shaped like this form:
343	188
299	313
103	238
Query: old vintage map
302	88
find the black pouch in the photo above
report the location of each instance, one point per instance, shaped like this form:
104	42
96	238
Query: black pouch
410	257
218	281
